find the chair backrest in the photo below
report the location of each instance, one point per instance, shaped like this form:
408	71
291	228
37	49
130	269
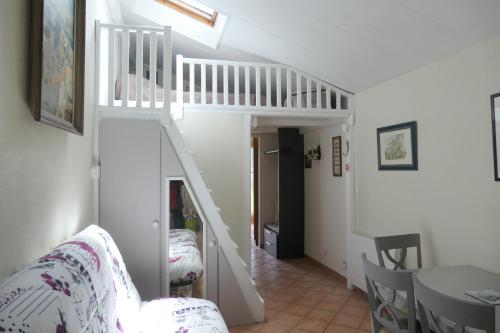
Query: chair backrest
382	286
435	307
398	242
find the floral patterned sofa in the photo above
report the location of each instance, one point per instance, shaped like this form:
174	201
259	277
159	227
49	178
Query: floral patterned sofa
83	286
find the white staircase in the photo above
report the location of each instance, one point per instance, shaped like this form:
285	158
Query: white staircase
240	282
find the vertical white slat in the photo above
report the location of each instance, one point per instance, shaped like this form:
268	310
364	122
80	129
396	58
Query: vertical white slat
318	95
139	66
152	69
328	98
203	74
309	93
191	83
226	84
97	67
167	71
214	84
179	80
236	85
338	99
125	66
247	85
278	86
257	85
299	89
288	87
268	85
111	67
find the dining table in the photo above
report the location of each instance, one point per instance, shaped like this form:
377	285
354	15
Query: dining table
455	281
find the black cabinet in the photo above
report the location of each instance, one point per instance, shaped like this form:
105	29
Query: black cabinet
287	241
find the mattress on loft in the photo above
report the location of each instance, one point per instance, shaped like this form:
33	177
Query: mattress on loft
146	93
184	256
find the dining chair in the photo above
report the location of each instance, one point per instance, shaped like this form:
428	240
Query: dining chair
396	318
441	312
398	242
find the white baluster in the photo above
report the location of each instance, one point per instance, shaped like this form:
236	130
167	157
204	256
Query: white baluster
167	70
179	78
328	98
139	66
268	85
203	74
111	67
214	84
288	88
226	83
191	83
247	85
125	67
309	93
236	85
257	86
278	86
318	95
299	90
338	99
152	70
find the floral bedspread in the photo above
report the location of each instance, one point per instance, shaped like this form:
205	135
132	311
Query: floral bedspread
82	285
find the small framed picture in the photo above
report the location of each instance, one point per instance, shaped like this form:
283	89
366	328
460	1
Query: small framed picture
337	156
397	147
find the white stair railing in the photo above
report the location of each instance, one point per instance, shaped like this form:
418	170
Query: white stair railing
210	211
128	84
261	86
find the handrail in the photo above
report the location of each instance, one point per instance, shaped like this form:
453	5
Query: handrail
264	85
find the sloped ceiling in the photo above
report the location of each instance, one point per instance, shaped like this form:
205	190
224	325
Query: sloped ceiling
354	44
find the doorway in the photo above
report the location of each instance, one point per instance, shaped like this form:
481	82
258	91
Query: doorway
254	185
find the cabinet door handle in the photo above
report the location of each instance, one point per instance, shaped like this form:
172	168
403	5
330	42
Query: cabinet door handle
156	223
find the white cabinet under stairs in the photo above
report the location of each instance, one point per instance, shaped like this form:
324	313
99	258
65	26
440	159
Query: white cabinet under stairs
134	173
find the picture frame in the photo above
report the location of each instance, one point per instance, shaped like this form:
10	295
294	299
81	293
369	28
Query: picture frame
57	67
495	127
397	147
337	156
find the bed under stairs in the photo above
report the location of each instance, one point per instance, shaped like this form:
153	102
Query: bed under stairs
126	53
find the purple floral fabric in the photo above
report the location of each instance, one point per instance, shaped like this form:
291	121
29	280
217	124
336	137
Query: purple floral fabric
82	285
184	256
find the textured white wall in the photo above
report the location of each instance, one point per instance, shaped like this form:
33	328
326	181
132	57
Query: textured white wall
220	144
452	199
325	203
45	185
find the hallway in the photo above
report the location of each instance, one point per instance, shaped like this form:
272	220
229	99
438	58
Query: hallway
304	296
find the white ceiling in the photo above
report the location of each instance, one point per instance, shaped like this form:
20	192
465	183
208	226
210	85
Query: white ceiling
354	44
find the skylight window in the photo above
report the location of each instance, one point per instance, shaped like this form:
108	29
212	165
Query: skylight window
193	9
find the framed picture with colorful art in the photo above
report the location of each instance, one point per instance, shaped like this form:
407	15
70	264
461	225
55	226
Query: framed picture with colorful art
57	66
397	147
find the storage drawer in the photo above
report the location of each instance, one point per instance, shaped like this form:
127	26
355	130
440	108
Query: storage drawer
270	242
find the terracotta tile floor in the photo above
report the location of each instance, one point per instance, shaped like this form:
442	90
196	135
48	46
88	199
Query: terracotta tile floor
304	296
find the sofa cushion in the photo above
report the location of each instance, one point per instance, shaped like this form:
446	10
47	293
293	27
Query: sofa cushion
181	315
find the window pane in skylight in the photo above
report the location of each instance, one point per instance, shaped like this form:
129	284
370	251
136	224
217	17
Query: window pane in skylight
193	9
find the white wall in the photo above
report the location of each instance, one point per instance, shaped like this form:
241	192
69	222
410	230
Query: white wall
268	181
452	199
45	185
325	202
221	146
